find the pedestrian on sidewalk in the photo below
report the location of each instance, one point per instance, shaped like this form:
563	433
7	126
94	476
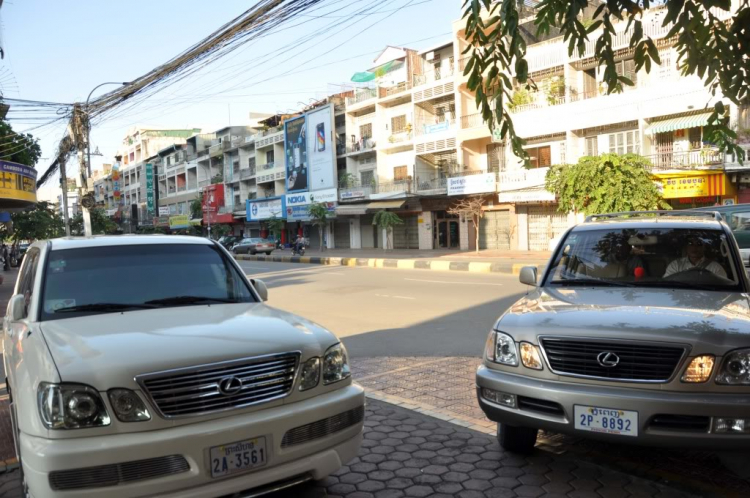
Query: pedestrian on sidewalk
6	259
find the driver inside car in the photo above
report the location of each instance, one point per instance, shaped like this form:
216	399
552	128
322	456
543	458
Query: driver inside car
695	258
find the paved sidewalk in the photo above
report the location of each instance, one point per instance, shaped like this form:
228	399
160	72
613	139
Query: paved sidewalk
508	262
407	454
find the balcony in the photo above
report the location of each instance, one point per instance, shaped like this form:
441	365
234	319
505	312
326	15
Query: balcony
246	174
699	158
340	149
471	121
398	140
268	165
435	75
434	186
389	91
215	151
392	190
522	179
361	96
362	145
447	124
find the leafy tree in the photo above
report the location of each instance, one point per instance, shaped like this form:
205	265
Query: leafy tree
609	183
196	206
470	207
387	220
218	231
20	148
319	213
41	222
101	224
275	226
711	48
347	180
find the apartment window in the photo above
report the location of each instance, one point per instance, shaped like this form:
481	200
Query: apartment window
626	68
540	157
626	142
666	68
694	135
592	146
398	124
496	157
400	173
744	117
269	156
367	177
365	131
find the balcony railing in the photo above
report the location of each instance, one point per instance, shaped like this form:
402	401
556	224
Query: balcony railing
268	165
362	95
362	145
686	160
340	149
472	121
522	179
437	74
247	173
399	137
446	124
394	187
387	91
463	62
432	184
204	183
215	150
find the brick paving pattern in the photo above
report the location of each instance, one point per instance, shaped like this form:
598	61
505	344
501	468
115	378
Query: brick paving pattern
407	454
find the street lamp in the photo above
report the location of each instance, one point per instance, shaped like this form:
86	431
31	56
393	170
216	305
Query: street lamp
88	123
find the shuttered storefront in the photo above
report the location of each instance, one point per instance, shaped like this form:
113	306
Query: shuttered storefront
370	233
313	236
494	230
406	235
545	224
341	234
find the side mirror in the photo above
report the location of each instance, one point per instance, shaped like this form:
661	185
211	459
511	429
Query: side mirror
528	275
260	287
17	308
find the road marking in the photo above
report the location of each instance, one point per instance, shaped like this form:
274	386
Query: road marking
449	282
395	297
404	297
256	267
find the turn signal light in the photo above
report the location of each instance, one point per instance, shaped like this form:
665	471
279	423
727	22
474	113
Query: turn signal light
700	369
530	356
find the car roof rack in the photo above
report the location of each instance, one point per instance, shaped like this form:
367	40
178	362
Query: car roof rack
714	215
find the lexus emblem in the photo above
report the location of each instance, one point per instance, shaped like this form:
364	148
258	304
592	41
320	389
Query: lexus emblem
608	359
230	385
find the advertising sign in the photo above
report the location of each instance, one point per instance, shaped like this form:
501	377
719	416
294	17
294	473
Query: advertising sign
321	150
150	188
116	183
265	209
693	186
163	210
179	221
18	182
534	195
352	194
297	204
473	184
161	221
295	151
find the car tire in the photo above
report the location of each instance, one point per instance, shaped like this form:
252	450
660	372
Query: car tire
253	253
269	253
516	439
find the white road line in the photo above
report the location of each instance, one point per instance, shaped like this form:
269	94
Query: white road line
395	297
257	267
449	282
404	297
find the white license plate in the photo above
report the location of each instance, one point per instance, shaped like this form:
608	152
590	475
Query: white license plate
606	420
237	457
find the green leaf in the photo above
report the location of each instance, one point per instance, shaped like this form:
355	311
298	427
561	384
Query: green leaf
522	70
653	51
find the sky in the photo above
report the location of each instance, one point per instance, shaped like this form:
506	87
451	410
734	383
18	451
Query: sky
59	50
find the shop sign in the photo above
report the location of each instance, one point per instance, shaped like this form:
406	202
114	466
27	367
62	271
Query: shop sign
435	128
163	210
472	184
693	186
304	198
537	195
161	221
301	213
266	209
179	221
150	187
352	194
522	179
18	182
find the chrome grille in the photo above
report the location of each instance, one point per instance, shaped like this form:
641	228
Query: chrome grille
323	428
204	389
638	362
120	473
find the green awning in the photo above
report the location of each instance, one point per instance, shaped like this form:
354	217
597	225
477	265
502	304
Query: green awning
379	71
681	123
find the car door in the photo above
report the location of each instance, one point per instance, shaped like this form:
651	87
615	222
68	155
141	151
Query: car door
739	221
14	331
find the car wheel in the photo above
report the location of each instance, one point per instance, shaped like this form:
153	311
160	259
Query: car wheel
253	253
516	439
269	252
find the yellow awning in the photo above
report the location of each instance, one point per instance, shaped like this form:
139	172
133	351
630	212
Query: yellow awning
681	123
352	210
386	205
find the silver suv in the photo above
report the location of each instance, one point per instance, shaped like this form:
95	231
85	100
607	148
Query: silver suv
639	331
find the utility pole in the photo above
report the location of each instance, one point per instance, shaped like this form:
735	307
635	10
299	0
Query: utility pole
64	187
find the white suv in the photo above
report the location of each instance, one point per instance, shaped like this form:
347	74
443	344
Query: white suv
148	365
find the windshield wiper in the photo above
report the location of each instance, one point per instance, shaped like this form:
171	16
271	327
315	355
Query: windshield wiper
104	307
591	281
188	300
685	285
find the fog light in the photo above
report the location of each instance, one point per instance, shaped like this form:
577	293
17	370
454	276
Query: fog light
699	369
499	398
731	425
530	356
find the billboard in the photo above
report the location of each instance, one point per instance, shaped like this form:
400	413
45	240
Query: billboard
150	188
321	150
295	152
297	204
18	182
116	183
473	184
265	209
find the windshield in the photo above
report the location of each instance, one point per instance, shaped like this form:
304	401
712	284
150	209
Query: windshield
109	279
670	258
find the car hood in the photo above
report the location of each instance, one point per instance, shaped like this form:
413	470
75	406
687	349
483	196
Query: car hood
718	320
109	350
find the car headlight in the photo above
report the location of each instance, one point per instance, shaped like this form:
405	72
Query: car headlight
335	364
71	406
699	369
735	369
309	374
501	348
530	356
128	406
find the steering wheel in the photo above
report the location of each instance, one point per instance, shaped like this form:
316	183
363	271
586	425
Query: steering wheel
698	275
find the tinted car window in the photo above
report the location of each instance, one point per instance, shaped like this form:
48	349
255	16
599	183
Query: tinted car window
672	258
136	275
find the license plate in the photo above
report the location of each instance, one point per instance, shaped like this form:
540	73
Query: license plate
237	457
606	420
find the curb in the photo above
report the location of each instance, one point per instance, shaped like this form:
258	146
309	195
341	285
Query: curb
504	267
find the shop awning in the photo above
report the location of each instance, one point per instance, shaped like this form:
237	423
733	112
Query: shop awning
681	123
351	210
386	205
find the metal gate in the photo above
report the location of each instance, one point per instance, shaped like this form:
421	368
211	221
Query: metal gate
545	224
313	237
494	230
341	234
406	235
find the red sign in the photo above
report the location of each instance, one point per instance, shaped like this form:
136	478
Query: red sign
213	202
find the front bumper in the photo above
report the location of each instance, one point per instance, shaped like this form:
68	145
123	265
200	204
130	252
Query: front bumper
648	404
318	457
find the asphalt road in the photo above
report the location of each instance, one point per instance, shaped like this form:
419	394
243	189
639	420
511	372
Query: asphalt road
382	312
